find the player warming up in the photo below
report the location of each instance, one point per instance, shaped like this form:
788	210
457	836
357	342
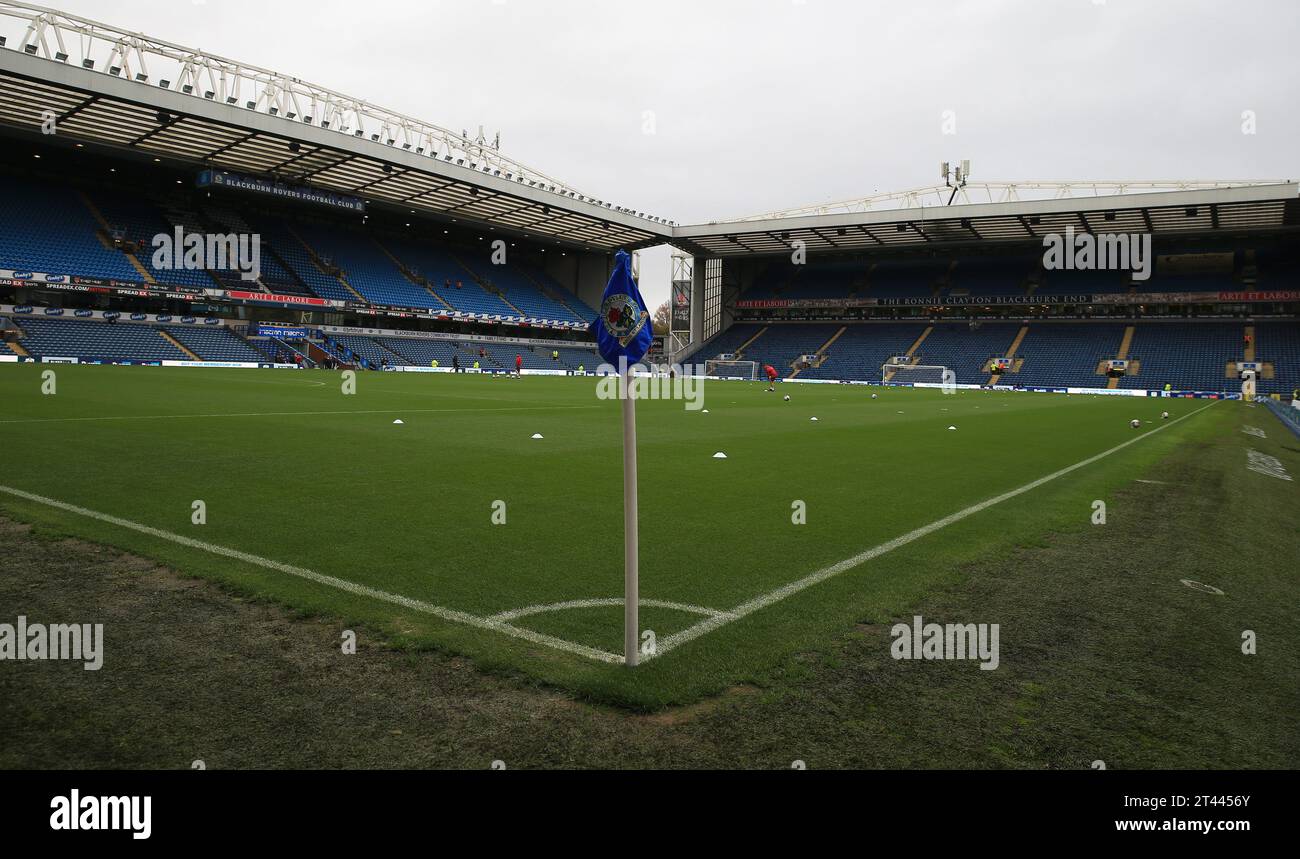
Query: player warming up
771	376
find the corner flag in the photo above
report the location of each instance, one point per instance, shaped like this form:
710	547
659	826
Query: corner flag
623	334
623	329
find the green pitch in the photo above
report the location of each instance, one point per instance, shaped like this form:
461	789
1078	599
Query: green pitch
396	529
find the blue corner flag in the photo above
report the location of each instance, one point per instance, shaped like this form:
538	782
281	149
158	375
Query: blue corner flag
623	328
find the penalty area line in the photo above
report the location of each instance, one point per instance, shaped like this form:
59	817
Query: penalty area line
328	581
770	598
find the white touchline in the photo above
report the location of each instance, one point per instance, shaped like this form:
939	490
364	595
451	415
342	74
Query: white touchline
328	581
393	411
677	639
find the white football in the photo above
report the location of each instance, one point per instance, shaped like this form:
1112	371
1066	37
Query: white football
787	398
873	396
1164	416
1135	424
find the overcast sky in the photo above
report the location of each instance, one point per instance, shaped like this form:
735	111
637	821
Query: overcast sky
699	109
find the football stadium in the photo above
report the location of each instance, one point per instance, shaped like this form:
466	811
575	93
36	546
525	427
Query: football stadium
980	474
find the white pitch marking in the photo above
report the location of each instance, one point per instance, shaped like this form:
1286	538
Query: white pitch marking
515	614
691	633
329	581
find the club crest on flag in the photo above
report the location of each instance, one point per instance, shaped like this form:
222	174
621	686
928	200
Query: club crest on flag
622	317
623	327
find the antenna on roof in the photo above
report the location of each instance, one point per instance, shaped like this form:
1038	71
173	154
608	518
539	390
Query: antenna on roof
955	178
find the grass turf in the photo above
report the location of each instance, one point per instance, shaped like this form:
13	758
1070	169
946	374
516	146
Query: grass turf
292	470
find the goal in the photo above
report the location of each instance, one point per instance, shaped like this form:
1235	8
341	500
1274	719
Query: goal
731	369
920	374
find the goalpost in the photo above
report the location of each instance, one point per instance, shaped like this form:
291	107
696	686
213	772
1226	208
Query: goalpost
918	374
729	369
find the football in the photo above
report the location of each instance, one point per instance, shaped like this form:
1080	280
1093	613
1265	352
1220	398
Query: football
1135	424
787	398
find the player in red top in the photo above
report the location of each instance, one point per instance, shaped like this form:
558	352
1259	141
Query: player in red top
519	365
771	376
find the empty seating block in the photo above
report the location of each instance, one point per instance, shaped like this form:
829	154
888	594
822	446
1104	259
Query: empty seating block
575	304
1066	355
965	351
138	220
60	338
48	228
365	266
215	343
783	343
299	260
1191	356
443	273
1279	344
370	349
863	348
422	352
520	291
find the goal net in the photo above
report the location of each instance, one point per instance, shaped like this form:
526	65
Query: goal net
919	374
731	369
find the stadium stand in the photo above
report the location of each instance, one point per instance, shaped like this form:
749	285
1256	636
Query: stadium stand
814	280
967	351
447	278
60	235
1082	283
863	348
992	277
276	276
298	259
1186	355
215	343
906	278
365	266
371	350
1066	355
49	338
548	284
728	342
1278	343
782	345
136	220
522	292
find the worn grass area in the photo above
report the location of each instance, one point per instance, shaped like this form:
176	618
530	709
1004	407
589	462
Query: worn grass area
1104	656
292	470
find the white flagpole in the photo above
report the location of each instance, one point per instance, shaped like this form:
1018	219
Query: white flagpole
631	598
